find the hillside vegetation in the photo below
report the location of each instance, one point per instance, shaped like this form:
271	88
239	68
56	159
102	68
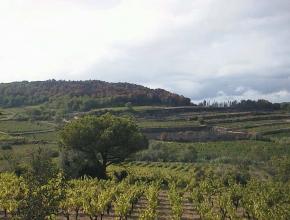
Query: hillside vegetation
84	95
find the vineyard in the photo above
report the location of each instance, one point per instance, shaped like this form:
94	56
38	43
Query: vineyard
186	192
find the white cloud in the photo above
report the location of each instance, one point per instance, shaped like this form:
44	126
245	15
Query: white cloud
40	38
280	96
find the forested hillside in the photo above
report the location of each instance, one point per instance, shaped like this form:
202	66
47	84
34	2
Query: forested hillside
84	95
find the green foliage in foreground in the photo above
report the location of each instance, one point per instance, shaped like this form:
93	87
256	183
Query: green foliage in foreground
212	194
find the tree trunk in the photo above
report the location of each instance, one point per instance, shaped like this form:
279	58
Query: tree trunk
109	208
103	171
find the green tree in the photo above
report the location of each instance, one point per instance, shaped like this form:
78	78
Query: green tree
44	187
102	140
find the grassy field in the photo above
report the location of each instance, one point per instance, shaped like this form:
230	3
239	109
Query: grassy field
252	124
20	154
270	116
269	128
24	126
48	136
167	124
133	109
232	152
280	135
5	137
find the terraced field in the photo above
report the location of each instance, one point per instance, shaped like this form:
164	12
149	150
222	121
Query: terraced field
18	139
268	128
49	136
283	134
24	126
167	124
4	137
189	124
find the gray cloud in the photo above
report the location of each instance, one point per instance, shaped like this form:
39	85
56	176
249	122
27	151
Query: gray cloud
236	44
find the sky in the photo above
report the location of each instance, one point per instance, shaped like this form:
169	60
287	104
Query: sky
203	49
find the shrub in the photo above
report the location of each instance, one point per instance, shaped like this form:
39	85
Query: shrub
6	147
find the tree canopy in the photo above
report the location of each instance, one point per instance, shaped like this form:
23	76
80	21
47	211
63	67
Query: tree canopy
100	141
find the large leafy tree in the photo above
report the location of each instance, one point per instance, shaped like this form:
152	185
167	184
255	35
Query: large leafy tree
101	141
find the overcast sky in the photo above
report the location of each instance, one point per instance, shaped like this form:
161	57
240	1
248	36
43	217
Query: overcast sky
203	49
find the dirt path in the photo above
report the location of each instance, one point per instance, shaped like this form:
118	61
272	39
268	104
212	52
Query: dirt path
27	132
188	211
164	208
31	132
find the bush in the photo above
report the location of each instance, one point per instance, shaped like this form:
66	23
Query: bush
54	154
201	120
193	118
6	147
167	153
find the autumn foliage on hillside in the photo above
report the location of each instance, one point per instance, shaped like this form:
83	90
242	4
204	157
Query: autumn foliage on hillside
84	95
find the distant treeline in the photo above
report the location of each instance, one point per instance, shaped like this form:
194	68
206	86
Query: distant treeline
247	105
84	95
